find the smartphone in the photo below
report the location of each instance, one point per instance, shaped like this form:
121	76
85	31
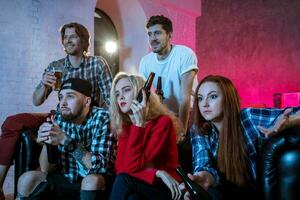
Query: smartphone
196	191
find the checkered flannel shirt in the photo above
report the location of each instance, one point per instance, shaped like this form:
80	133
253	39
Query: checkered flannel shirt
205	147
92	68
94	134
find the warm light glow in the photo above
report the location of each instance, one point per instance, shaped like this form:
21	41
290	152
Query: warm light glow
111	47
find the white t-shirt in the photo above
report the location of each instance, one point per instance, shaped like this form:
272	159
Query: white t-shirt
180	60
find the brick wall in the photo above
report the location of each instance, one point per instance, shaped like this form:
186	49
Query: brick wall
29	41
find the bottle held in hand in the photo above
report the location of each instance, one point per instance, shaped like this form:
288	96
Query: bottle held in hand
159	90
52	151
195	190
146	87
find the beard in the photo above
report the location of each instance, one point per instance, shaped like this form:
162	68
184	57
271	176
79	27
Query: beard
72	50
159	47
72	115
68	116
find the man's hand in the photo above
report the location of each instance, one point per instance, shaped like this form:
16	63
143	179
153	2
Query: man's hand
49	79
281	123
50	133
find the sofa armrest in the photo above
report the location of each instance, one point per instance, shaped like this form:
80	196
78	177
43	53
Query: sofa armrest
279	166
27	154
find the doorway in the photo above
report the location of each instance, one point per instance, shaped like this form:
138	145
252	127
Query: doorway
106	40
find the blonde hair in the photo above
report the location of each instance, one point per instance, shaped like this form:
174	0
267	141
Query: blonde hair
155	107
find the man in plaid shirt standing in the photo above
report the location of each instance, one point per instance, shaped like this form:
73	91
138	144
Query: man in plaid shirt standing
86	147
77	64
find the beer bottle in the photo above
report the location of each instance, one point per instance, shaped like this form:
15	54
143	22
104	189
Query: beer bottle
159	90
147	88
52	151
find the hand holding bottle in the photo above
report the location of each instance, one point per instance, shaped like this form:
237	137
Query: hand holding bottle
50	133
146	88
138	116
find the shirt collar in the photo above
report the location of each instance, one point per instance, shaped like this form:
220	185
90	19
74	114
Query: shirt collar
69	65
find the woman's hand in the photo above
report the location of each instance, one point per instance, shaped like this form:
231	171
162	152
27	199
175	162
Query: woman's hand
138	116
281	123
202	178
171	183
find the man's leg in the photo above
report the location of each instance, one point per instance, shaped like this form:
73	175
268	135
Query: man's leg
3	172
92	187
31	185
11	130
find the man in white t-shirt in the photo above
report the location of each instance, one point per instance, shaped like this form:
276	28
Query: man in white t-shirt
176	64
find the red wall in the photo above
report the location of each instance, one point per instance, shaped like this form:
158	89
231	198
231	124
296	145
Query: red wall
256	43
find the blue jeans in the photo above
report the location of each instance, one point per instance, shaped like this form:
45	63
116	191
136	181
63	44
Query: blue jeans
127	187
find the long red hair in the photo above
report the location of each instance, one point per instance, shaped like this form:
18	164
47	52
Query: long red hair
231	159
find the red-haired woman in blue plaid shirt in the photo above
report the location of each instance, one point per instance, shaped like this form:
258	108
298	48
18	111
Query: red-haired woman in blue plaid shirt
225	139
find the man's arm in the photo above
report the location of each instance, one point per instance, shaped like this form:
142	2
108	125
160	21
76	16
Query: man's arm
82	156
43	160
283	121
43	89
77	150
186	85
40	94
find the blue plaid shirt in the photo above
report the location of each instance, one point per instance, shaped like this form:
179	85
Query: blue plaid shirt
92	68
94	134
205	147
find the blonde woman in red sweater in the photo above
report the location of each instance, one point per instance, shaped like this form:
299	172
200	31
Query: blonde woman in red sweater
147	150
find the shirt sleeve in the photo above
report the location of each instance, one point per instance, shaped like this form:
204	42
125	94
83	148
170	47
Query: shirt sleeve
105	80
188	61
102	145
202	156
265	117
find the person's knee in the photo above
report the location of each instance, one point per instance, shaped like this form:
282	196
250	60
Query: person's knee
11	122
29	180
93	182
123	178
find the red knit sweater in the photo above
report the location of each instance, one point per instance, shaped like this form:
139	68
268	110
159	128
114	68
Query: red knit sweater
143	151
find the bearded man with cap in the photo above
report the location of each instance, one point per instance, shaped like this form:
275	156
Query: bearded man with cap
85	145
